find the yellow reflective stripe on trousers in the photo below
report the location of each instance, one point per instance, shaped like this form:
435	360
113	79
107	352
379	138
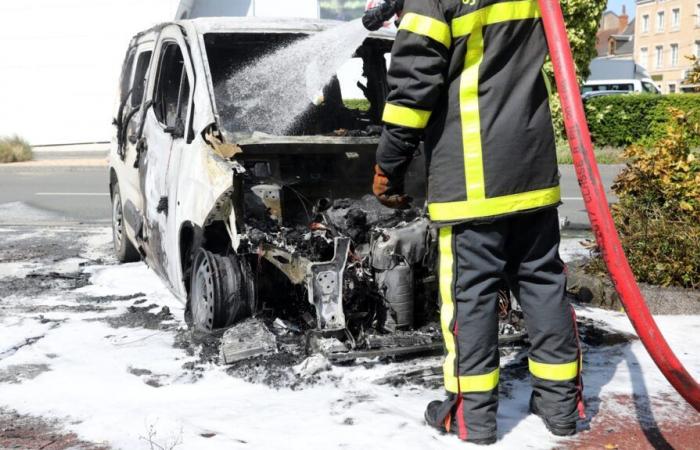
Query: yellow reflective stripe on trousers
447	307
471	119
555	372
427	26
405	117
466	383
497	13
497	206
472	383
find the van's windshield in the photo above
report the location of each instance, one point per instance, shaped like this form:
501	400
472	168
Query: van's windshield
349	105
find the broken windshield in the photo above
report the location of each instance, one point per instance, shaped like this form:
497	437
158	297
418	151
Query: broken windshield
285	99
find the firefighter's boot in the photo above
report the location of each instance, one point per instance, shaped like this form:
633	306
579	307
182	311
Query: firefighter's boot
440	415
561	429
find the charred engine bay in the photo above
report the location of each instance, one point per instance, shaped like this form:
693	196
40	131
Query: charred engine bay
335	272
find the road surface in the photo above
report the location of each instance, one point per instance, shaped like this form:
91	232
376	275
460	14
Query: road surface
58	194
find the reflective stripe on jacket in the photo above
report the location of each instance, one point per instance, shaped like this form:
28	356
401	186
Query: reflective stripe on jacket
466	76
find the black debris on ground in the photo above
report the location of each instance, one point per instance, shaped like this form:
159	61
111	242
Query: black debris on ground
114	298
19	373
35	284
142	317
275	371
43	247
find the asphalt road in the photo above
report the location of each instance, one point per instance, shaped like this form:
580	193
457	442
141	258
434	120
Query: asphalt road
54	195
31	195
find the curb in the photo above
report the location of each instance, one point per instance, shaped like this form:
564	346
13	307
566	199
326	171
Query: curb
598	290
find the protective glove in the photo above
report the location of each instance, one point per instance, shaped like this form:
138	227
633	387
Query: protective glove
375	18
388	194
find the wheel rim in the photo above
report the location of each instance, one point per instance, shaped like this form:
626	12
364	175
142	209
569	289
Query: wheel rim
203	296
117	222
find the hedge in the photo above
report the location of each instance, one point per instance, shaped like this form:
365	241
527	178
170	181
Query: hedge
622	120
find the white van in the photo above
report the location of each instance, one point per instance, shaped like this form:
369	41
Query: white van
623	85
618	75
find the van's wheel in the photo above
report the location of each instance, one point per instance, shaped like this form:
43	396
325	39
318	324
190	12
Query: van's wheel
219	291
124	250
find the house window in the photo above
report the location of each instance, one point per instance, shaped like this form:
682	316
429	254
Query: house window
672	88
659	56
676	18
697	14
697	49
645	22
644	57
674	55
660	21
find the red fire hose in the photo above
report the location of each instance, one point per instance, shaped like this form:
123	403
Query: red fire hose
599	212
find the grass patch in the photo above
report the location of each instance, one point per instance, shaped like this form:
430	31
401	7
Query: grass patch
358	104
14	149
604	155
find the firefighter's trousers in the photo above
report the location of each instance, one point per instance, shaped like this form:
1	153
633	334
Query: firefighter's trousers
476	259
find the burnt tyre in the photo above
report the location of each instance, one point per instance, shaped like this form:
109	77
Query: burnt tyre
124	250
222	292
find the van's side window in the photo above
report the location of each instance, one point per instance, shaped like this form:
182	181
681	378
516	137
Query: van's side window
172	88
125	79
138	87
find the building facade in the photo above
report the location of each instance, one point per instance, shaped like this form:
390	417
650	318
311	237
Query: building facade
667	31
615	37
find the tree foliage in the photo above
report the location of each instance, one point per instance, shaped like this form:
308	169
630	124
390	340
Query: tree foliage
582	19
693	77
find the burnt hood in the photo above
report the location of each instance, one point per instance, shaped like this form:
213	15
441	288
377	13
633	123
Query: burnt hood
261	143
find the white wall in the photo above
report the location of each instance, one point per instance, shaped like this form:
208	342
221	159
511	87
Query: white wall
60	62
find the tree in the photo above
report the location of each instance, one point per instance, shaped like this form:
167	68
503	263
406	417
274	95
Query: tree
582	19
693	77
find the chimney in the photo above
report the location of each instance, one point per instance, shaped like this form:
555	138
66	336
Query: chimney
624	19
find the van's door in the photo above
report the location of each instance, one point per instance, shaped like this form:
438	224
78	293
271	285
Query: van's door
130	112
166	132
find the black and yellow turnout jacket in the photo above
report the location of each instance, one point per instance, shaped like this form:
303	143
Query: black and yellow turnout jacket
466	76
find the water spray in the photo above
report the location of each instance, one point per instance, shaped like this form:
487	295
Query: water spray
599	211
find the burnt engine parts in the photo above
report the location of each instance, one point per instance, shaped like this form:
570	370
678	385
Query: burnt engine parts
222	291
395	256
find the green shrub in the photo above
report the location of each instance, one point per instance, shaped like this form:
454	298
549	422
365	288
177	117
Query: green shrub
658	215
622	120
14	149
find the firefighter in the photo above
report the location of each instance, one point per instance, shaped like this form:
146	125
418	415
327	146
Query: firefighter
466	78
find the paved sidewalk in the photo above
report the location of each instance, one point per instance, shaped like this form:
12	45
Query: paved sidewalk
81	162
